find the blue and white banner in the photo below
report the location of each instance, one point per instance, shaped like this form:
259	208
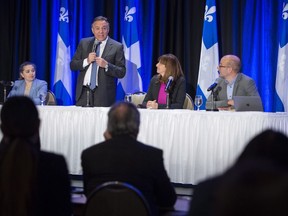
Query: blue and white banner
209	58
282	65
132	82
63	78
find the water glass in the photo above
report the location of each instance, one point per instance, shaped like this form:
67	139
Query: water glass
128	97
198	101
42	97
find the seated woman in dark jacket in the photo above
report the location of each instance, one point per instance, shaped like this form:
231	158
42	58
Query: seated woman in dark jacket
156	98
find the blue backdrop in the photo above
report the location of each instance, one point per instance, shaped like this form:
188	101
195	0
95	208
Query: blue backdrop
247	28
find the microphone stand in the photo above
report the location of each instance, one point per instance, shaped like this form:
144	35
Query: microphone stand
213	94
88	91
4	93
167	100
5	85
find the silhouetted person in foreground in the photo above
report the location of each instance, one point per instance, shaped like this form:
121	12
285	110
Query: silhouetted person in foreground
258	172
122	158
32	182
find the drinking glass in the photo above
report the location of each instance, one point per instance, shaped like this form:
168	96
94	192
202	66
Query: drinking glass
42	97
198	101
128	97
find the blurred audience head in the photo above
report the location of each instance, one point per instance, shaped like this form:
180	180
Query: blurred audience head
268	145
257	184
123	119
19	117
19	150
254	187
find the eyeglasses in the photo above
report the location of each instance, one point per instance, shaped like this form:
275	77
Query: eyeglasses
223	66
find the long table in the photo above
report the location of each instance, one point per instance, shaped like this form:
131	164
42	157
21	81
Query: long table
196	144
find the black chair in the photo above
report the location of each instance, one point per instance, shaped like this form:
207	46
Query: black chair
116	199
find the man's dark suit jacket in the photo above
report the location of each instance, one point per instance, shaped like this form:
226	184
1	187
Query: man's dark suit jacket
113	53
177	94
125	159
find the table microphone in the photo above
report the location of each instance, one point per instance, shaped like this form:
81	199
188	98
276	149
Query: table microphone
7	83
211	88
169	82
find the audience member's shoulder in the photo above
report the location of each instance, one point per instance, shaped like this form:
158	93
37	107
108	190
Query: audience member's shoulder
149	148
52	157
94	147
208	183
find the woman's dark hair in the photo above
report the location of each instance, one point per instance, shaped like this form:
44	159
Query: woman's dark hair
173	67
19	150
21	67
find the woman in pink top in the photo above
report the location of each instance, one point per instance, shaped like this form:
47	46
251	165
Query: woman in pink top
161	85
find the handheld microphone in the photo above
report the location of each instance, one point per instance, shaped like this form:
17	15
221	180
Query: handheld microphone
7	83
211	88
169	82
96	42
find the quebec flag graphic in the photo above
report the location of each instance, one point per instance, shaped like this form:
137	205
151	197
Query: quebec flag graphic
62	78
209	58
282	65
132	82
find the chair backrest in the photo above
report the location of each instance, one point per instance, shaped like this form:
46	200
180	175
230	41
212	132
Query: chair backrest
116	199
188	103
138	97
50	98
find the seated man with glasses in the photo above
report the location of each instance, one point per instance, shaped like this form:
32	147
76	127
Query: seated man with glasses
231	83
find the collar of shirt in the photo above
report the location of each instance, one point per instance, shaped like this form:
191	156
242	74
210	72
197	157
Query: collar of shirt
231	84
230	87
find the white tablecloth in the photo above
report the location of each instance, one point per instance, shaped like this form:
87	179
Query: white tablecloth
196	145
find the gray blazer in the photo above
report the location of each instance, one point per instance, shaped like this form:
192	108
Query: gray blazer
38	87
113	53
244	86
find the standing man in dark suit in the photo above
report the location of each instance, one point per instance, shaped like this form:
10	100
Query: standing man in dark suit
232	83
122	158
110	65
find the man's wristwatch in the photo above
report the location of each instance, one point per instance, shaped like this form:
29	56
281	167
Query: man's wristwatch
106	68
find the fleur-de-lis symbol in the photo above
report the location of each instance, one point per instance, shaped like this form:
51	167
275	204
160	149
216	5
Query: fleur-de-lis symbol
208	13
128	13
63	16
285	11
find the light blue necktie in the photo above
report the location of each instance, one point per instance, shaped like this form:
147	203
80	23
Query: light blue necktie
94	77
